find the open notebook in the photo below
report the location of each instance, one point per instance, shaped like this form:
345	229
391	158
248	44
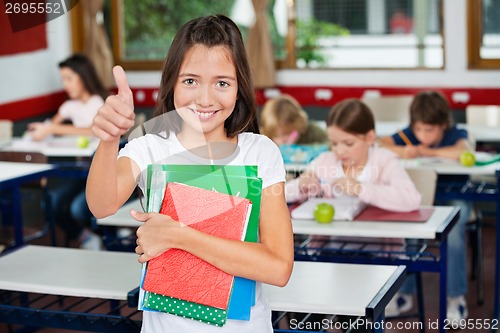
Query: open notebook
346	208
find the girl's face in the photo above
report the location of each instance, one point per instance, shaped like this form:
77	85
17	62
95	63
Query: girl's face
428	134
350	149
206	91
72	83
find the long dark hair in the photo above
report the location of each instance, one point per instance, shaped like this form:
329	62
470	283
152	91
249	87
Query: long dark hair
209	31
82	66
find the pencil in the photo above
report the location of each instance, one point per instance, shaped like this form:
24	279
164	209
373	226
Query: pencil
403	136
292	137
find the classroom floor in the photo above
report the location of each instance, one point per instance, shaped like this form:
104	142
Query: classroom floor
431	292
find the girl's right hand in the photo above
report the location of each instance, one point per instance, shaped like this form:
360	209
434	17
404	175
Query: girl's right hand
116	116
157	234
309	184
411	152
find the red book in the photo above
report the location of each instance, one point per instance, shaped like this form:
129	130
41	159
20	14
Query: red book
180	274
372	213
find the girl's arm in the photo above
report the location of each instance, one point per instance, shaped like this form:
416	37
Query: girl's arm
308	183
269	261
401	151
392	190
451	152
111	180
40	130
68	129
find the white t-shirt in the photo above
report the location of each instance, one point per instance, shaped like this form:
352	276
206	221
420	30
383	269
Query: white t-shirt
252	149
81	114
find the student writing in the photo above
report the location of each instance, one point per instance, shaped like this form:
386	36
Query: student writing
355	166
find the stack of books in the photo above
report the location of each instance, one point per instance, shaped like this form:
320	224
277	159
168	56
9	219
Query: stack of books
223	201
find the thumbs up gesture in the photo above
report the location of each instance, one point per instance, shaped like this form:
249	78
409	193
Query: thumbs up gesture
116	116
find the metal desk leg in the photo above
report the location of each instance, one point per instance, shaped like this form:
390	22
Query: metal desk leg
17	215
497	253
378	327
442	283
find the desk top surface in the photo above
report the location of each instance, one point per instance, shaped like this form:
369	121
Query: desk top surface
441	216
122	217
441	166
330	288
425	230
64	146
70	272
13	170
313	286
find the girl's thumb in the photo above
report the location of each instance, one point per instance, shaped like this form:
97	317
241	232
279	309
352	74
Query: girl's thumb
141	217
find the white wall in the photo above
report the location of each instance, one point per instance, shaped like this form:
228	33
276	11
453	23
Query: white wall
34	74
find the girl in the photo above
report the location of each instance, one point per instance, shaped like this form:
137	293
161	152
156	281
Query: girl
86	93
206	78
354	166
283	121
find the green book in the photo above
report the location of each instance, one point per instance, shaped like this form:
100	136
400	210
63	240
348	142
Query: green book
234	180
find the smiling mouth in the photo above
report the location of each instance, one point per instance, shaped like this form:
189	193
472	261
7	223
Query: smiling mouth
204	115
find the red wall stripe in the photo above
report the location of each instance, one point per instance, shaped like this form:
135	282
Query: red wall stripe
145	97
459	98
32	107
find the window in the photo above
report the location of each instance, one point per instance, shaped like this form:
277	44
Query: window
305	33
484	33
370	33
143	30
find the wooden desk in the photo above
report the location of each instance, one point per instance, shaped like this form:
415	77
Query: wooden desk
92	287
64	146
70	272
436	229
480	133
473	193
122	217
12	176
344	289
357	290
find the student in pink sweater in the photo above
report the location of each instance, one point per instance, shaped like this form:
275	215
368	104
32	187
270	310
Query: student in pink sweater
355	166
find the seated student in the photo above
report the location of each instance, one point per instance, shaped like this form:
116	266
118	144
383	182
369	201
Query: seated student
432	133
355	166
284	121
86	95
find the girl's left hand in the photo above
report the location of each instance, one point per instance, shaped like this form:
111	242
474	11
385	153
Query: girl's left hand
347	186
39	131
156	235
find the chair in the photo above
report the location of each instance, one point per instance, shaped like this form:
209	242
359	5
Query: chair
483	115
488	116
5	129
425	182
31	157
390	108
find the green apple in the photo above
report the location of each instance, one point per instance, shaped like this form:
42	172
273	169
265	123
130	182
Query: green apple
467	159
323	213
82	142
